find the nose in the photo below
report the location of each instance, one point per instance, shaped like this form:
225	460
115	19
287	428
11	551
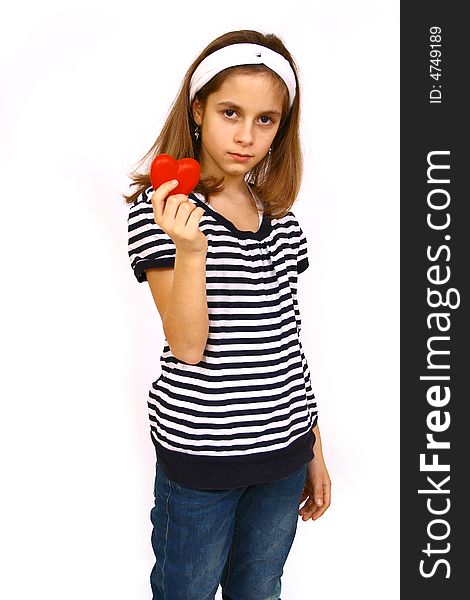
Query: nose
244	133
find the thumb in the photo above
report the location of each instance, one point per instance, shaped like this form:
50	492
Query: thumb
318	493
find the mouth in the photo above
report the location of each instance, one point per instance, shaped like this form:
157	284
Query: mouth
238	156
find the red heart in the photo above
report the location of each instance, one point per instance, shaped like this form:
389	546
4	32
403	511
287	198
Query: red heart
165	168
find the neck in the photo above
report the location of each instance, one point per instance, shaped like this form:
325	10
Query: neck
235	185
236	191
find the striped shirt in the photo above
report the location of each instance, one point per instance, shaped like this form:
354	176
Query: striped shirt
244	414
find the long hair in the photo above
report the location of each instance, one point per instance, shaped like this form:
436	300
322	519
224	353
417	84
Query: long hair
276	178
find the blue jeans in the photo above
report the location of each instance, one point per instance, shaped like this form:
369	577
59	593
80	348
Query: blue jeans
237	538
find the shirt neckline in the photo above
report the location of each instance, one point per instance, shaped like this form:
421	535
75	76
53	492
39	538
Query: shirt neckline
263	230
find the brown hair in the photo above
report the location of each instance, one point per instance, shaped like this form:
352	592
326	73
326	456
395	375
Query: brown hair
276	178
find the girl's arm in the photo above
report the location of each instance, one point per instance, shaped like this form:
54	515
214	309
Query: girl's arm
317	445
180	296
180	292
317	489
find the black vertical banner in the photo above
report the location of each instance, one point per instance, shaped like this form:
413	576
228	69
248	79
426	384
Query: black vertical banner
435	270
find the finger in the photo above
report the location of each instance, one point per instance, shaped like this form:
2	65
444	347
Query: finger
313	511
196	216
185	214
159	196
172	208
308	509
318	492
318	512
303	496
306	492
327	493
307	505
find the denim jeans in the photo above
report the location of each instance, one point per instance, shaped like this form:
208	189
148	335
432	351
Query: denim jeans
237	538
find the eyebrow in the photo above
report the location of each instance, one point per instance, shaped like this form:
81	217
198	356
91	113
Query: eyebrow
274	113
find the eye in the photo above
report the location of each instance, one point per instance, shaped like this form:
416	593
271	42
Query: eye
229	110
268	121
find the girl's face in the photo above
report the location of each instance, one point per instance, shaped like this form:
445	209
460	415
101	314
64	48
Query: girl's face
238	124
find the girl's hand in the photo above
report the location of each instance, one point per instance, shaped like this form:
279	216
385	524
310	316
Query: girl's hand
179	218
317	489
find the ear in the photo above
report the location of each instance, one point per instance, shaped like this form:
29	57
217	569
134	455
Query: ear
198	111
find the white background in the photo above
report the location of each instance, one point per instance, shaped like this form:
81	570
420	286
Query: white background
85	88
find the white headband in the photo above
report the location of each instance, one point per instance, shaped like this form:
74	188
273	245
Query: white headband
242	54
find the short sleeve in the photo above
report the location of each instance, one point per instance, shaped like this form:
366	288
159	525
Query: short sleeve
302	253
148	245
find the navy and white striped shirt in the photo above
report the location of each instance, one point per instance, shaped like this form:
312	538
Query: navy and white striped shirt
244	414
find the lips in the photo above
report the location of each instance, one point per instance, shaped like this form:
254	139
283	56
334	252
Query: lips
240	157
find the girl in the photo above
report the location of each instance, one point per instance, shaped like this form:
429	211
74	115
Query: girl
233	417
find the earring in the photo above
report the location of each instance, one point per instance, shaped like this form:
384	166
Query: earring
270	150
196	132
